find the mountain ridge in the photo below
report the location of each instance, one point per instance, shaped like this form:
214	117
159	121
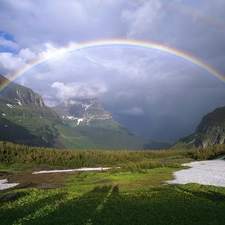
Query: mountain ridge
210	131
25	119
89	118
83	112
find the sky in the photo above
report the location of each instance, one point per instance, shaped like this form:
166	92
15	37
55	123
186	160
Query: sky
154	93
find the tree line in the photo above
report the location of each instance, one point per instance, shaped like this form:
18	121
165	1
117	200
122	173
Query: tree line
130	160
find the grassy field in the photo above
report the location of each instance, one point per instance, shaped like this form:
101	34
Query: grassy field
135	193
116	197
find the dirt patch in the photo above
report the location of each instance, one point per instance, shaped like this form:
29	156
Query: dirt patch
41	181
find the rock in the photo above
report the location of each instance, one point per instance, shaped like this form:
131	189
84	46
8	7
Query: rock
11	197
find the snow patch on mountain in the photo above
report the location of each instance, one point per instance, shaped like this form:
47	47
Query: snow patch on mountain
18	101
71	118
9	105
87	106
192	141
80	120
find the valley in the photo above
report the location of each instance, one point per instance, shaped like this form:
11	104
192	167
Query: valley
75	124
112	112
138	187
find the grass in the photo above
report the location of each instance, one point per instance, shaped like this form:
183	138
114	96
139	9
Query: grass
133	194
125	181
116	197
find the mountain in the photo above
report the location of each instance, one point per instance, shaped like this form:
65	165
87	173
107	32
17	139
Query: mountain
210	131
84	112
25	119
75	124
89	118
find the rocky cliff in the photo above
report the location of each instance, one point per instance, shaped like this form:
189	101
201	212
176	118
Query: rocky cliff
78	112
15	95
210	131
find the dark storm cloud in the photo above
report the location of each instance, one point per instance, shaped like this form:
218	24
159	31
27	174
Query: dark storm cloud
157	95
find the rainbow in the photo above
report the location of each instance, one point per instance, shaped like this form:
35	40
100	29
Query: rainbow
194	12
122	43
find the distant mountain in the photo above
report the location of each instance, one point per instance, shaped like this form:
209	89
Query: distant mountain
89	118
84	112
75	124
25	119
209	132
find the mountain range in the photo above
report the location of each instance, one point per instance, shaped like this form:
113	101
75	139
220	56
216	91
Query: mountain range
85	124
74	124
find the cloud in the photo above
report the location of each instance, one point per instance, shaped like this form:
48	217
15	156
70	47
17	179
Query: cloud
4	43
142	18
135	111
78	90
10	62
62	21
167	95
27	54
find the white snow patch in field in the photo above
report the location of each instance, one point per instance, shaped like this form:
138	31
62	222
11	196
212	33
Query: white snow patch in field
5	185
3	114
209	172
72	170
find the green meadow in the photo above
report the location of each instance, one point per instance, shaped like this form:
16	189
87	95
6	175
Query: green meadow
134	193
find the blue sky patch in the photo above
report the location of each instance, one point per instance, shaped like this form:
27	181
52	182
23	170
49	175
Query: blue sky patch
10	44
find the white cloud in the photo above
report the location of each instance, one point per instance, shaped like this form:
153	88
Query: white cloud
10	62
27	54
78	90
142	18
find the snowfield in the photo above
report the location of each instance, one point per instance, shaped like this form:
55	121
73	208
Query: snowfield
73	170
211	172
4	184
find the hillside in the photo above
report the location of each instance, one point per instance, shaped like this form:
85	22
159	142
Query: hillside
209	132
90	119
25	119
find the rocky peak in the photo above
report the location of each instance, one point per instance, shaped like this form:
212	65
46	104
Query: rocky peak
82	111
29	97
15	95
20	94
211	129
209	132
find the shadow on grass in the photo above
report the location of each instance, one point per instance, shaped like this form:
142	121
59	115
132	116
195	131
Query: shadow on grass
23	209
211	193
169	204
78	210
